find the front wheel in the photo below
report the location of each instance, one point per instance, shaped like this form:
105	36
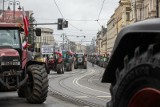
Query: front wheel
37	84
138	83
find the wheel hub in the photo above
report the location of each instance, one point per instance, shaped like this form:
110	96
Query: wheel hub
147	97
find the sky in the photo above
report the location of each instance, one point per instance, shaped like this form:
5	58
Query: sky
81	15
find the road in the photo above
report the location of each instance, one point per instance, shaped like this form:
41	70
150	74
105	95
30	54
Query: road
79	88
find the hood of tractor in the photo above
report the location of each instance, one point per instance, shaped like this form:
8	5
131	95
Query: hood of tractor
8	52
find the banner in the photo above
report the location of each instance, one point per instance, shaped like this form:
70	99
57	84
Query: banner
47	49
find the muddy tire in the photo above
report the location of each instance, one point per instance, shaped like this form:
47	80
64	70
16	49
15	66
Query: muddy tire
138	83
67	67
75	65
71	67
59	69
37	84
85	65
21	92
47	69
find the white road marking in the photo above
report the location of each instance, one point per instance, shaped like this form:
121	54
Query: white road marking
104	96
75	81
81	96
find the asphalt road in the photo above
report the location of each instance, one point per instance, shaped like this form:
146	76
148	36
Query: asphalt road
79	88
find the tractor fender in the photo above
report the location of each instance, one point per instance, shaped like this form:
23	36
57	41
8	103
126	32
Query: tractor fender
138	34
31	62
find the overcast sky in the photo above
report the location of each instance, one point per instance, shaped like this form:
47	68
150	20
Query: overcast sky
75	11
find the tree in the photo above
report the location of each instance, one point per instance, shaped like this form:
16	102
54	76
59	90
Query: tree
31	30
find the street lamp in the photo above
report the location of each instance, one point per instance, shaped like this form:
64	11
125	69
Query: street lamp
14	3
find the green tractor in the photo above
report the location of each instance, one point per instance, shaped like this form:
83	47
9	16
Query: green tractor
68	60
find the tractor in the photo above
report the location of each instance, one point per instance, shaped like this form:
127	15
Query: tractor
17	68
68	60
56	63
134	66
80	59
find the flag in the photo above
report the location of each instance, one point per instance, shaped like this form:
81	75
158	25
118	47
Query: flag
25	44
26	23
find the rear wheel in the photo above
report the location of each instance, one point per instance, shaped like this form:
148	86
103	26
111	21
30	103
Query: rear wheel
71	67
37	84
60	69
21	92
75	65
138	83
67	67
85	65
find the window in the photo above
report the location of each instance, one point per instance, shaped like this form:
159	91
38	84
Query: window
9	38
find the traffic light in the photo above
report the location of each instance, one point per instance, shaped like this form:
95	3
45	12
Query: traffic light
65	24
60	24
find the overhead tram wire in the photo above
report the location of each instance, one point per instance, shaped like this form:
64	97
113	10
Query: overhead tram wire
63	16
58	8
100	13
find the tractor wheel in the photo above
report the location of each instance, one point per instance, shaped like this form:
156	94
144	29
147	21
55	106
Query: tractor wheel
21	92
37	84
47	69
71	67
62	67
138	83
59	69
85	65
67	67
75	65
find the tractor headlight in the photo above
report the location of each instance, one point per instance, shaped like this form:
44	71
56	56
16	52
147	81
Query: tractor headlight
10	63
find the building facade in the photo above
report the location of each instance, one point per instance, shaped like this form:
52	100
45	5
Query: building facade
117	22
46	38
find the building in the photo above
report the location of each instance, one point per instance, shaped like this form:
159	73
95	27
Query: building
46	38
111	34
104	42
80	48
117	22
144	9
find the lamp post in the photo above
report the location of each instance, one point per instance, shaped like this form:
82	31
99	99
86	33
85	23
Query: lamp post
14	3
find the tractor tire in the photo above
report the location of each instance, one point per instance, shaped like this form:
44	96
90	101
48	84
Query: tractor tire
59	69
67	67
62	67
37	84
138	83
75	66
47	69
21	92
85	65
71	67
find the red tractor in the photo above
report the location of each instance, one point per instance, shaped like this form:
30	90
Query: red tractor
18	70
56	63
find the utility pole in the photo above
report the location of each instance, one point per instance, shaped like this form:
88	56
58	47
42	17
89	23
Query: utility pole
157	8
63	36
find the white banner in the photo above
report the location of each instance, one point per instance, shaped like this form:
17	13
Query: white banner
47	49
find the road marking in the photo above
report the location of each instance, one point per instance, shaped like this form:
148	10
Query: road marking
81	96
75	81
104	96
